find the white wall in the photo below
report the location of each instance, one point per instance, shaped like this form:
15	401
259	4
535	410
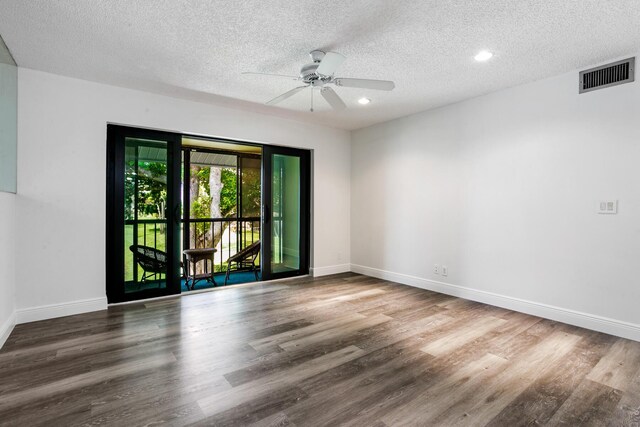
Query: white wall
7	264
502	189
61	181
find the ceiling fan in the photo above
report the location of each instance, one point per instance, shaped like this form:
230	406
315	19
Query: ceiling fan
320	73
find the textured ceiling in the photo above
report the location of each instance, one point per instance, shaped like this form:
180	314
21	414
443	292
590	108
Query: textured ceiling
197	49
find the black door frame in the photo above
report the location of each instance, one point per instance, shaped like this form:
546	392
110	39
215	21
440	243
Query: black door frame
305	206
115	212
115	208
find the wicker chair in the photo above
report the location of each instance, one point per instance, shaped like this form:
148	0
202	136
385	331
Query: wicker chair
245	260
152	260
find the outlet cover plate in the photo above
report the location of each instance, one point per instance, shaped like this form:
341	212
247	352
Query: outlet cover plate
607	207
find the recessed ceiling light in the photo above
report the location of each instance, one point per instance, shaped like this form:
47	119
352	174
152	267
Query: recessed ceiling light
364	101
483	55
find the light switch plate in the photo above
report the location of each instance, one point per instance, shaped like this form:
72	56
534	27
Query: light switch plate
607	207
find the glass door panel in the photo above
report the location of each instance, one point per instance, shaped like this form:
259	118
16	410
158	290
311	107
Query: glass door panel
143	203
286	212
285	217
145	198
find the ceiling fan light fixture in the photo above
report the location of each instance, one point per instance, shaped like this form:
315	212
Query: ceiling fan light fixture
364	101
483	55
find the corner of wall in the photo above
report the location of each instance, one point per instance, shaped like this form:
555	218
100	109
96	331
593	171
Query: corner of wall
332	269
6	328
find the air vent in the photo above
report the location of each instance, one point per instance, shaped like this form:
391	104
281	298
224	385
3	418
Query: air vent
613	74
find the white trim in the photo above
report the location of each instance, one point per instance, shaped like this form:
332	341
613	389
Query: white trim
7	328
584	320
33	314
331	269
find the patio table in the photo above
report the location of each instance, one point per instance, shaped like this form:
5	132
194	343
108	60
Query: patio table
192	257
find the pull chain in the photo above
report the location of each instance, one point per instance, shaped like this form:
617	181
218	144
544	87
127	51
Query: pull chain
312	99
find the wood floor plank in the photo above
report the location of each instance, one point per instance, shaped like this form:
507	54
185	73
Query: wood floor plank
305	331
590	404
342	398
344	350
259	407
619	366
537	404
331	334
224	401
376	352
458	338
627	413
82	380
499	391
279	419
437	398
371	339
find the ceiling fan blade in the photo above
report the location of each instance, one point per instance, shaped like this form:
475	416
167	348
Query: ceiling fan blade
365	83
330	63
332	98
286	95
270	74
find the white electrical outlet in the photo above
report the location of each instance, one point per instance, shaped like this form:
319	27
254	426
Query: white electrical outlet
609	207
445	270
436	269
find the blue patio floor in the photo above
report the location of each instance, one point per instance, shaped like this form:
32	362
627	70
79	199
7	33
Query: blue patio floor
234	279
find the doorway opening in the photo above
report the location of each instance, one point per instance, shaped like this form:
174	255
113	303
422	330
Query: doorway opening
221	207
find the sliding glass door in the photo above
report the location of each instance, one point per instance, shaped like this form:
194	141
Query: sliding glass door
143	217
286	212
245	213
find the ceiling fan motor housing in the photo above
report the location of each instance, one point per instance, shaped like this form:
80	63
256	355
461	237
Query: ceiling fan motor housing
317	55
309	76
308	72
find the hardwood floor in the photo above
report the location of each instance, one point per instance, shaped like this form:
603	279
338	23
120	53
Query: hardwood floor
339	350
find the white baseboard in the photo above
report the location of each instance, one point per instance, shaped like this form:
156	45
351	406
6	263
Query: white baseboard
33	314
7	328
332	269
584	320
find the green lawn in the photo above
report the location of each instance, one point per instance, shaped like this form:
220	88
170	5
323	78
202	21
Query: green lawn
159	243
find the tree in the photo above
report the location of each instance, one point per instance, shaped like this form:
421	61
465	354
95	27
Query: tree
151	200
251	191
228	192
213	194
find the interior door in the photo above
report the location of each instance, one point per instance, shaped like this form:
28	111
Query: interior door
143	213
286	212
